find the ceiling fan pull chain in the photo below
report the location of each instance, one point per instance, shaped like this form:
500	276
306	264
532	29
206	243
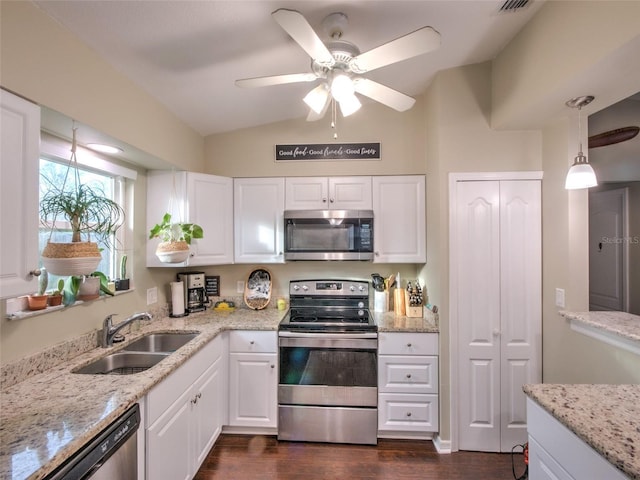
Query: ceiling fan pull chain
334	119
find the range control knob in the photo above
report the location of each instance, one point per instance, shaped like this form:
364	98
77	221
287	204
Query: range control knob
296	287
361	288
305	288
360	304
361	313
352	288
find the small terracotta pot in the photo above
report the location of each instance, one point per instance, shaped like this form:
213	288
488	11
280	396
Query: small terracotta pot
37	302
55	300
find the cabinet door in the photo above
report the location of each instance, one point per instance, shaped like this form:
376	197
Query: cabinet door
169	446
19	159
350	193
306	193
207	201
399	219
253	384
209	204
258	220
206	422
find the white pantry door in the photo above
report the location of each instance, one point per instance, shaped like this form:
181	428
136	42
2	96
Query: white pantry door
498	261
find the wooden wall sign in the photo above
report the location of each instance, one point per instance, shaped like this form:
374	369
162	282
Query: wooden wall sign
328	151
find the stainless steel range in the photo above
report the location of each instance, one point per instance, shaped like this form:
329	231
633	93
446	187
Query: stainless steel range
328	342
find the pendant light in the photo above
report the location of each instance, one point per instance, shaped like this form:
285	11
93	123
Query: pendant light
581	174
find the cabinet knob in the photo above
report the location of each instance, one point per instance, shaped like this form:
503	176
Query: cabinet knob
324	200
332	200
35	273
408	375
252	342
409	345
408	414
273	366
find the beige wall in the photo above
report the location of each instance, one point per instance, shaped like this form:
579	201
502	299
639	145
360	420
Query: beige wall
45	63
250	152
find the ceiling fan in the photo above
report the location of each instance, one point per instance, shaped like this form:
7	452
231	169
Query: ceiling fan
340	65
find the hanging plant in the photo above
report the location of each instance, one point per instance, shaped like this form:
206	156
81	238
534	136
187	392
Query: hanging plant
89	213
175	239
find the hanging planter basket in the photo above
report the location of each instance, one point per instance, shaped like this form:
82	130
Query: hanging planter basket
88	212
66	259
172	252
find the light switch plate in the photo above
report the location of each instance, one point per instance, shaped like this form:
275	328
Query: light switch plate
560	297
152	295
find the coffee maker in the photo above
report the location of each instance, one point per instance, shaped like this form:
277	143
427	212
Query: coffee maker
195	299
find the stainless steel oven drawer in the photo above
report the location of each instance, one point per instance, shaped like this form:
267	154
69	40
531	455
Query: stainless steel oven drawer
327	395
328	424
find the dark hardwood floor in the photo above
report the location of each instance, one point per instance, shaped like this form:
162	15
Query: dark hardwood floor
239	457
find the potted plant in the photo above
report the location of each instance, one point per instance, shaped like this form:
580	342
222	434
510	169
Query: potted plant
88	212
55	296
122	283
38	300
175	239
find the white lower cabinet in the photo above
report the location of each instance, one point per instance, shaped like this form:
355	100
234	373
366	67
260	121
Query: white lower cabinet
185	414
253	379
556	453
407	384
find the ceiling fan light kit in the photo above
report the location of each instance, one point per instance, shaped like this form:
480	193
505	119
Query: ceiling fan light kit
581	174
340	66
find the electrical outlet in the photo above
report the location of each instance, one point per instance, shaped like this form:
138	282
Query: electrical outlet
560	297
239	286
152	295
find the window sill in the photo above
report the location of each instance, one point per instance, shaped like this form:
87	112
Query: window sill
619	329
20	314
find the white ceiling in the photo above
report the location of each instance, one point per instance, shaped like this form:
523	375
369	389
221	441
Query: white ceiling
187	54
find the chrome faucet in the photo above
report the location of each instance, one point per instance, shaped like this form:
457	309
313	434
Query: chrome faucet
109	331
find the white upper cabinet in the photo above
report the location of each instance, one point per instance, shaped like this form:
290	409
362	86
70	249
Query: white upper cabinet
19	159
202	199
321	193
258	206
399	219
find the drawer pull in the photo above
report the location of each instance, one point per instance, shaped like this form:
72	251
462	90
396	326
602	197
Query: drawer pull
252	342
408	375
408	414
409	345
273	366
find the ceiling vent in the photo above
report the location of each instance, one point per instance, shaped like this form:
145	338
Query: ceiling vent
513	5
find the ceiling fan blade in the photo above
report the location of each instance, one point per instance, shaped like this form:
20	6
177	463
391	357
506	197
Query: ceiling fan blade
383	94
411	45
294	23
275	80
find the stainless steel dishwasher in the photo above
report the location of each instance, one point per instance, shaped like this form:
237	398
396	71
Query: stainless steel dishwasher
110	455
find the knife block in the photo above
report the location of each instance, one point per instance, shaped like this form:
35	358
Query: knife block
411	310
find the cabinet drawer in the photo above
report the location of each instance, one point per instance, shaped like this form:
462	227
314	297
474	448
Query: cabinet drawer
253	341
408	412
408	343
407	374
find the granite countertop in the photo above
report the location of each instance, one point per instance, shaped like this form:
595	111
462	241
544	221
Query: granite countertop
623	324
606	417
48	416
389	322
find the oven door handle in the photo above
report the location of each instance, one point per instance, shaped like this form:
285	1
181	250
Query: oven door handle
284	333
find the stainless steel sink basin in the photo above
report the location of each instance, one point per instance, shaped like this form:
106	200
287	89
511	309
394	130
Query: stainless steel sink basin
123	363
160	342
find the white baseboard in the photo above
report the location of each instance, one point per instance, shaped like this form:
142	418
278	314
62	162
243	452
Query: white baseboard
442	446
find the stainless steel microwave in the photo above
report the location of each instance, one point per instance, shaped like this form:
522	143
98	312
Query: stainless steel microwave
328	235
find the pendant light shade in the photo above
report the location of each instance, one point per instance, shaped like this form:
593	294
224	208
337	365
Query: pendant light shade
317	98
581	174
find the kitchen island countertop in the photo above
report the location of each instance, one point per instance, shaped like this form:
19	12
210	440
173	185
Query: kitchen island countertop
606	417
48	416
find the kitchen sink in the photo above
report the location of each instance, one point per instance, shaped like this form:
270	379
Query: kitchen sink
160	342
123	363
